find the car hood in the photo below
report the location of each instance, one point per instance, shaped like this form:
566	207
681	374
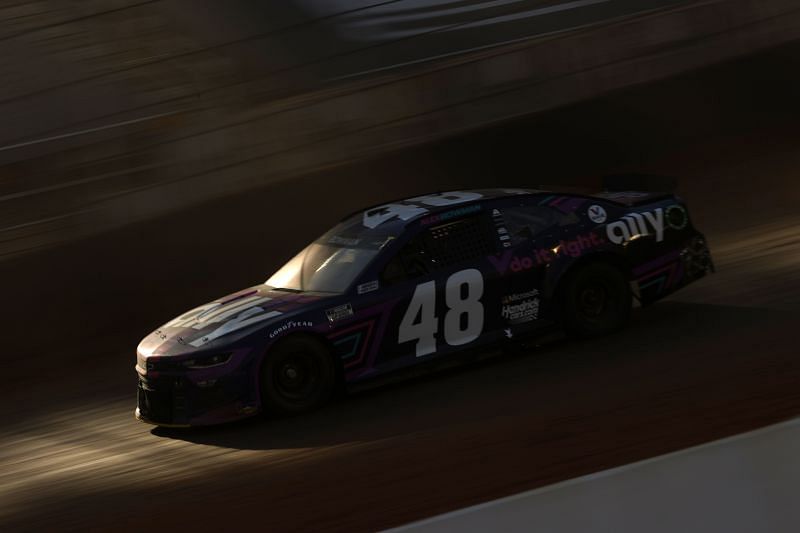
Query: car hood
218	320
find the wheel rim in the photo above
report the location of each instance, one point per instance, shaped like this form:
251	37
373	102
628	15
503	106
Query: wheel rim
296	376
593	300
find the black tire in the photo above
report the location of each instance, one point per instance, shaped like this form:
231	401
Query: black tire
595	300
297	375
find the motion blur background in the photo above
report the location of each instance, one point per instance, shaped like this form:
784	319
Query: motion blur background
157	154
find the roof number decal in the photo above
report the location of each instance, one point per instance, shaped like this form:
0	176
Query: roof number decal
413	207
446	198
375	217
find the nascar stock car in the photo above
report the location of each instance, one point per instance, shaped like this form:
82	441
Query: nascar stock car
417	280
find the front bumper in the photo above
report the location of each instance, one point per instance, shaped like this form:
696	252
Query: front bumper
141	418
176	401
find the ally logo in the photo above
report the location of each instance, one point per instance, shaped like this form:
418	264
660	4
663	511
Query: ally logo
635	225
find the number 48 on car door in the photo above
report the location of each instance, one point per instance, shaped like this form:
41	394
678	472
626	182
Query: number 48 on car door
462	321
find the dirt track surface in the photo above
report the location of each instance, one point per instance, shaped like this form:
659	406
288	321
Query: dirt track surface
716	359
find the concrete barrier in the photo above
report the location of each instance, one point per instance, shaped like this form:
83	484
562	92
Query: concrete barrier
741	484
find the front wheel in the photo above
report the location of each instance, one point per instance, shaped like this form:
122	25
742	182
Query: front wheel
596	300
298	375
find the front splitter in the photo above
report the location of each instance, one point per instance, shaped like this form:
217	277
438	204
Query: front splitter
138	414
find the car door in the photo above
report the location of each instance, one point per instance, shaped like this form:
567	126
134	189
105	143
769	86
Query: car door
445	288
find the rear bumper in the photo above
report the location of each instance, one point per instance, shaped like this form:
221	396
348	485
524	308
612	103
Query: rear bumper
696	258
663	273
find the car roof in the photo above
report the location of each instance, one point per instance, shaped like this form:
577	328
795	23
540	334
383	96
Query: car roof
396	224
486	194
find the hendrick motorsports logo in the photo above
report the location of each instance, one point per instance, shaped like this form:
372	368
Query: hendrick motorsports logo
522	307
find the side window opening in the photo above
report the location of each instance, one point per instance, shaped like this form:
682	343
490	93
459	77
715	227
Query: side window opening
441	246
412	261
461	240
526	222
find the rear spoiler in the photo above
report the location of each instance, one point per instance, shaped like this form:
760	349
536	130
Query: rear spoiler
640	183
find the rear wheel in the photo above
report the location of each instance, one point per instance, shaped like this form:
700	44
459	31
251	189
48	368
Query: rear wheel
595	300
298	375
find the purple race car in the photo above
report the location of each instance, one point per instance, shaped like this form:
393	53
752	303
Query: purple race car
414	281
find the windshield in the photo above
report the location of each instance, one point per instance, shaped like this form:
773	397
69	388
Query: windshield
333	262
322	268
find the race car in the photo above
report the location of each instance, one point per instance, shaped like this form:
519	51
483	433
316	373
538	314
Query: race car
418	280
